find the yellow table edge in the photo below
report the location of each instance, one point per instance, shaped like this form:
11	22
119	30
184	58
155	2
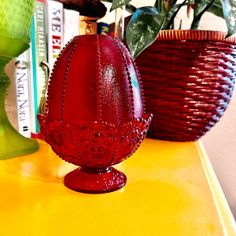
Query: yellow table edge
224	216
222	207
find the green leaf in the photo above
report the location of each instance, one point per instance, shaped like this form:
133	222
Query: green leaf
216	8
199	5
159	5
119	3
143	29
229	11
129	7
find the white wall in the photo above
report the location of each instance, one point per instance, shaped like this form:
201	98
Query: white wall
220	144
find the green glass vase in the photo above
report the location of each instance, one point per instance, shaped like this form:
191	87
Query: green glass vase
15	20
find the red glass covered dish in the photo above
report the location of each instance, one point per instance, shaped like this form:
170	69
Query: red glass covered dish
95	116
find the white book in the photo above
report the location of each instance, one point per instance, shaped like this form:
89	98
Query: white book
54	18
22	77
71	24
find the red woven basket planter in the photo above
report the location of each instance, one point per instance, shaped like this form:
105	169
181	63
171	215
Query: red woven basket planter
188	78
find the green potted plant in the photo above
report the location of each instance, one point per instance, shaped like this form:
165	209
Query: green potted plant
147	22
188	75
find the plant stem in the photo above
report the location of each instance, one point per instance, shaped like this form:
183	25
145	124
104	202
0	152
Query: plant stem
130	8
171	21
197	18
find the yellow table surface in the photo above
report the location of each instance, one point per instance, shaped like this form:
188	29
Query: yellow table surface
171	190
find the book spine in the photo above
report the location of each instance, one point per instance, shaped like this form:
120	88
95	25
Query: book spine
10	101
103	28
22	76
54	30
32	81
38	55
71	24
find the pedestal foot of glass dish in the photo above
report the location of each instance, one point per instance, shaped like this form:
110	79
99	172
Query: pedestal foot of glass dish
95	181
12	143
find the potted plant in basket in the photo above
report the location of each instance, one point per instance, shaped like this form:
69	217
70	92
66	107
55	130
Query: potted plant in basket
188	75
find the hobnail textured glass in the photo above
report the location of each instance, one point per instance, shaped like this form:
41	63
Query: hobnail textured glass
15	20
95	115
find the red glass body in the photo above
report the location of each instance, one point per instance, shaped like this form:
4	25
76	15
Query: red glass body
95	115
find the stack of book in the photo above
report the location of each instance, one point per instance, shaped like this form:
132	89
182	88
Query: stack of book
52	27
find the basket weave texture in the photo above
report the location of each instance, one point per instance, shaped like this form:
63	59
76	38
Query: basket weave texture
188	79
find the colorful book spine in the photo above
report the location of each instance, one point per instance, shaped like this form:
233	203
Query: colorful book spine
38	55
54	30
22	76
103	28
10	101
71	24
